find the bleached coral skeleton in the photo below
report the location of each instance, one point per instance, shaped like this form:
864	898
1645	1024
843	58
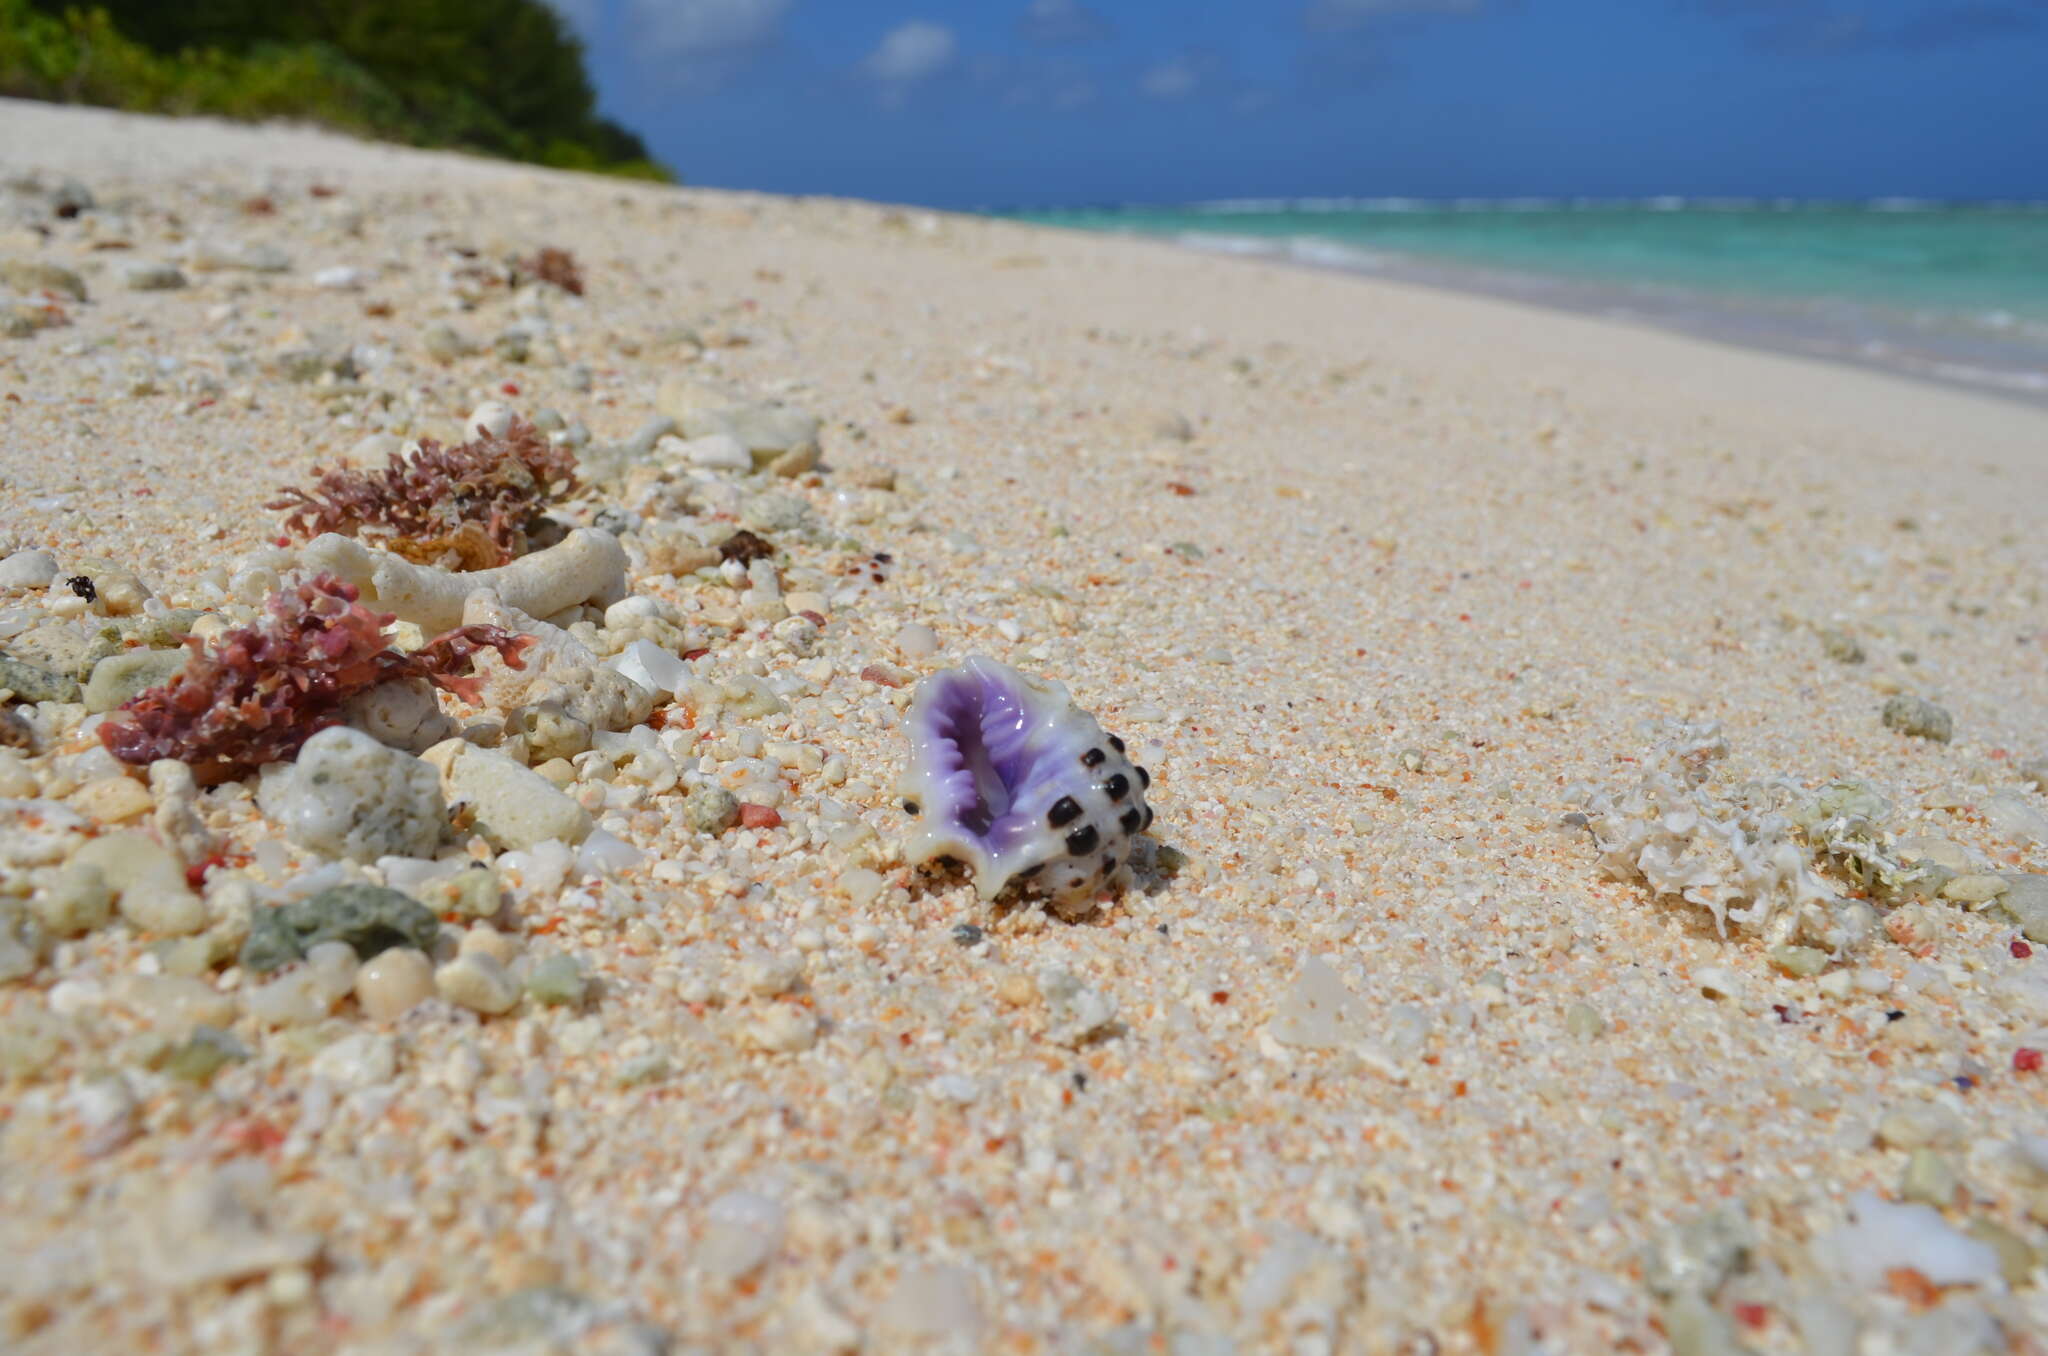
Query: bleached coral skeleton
1772	873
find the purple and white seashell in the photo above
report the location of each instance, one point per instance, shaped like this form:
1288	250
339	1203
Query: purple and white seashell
1010	778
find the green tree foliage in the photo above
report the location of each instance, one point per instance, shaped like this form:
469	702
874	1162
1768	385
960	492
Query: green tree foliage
504	77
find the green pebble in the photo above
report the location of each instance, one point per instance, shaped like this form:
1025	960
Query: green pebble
472	892
557	980
119	679
1920	718
30	1041
1802	962
2025	905
32	684
160	633
369	918
36	275
647	1068
77	901
711	809
2034	773
1980	888
2016	1257
187	955
206	1053
1695	1327
1927	880
1929	1179
443	344
1584	1022
1840	646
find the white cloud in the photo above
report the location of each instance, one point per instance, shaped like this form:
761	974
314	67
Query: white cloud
702	28
1061	21
1172	79
911	53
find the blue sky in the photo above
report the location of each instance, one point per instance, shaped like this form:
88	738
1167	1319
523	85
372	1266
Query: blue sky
1063	102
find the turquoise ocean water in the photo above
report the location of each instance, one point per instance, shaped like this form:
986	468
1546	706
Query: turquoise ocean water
1952	292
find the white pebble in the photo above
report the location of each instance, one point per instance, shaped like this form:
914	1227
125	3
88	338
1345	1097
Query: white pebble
783	1029
1882	1238
392	983
770	976
659	671
349	796
916	641
363	1060
476	981
25	570
743	1230
860	885
493	419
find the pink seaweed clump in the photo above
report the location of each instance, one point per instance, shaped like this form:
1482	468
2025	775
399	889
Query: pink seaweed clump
263	690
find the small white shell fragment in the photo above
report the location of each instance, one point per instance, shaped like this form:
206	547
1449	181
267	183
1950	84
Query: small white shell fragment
652	667
491	419
742	1230
916	641
783	1029
1882	1238
605	854
715	452
476	981
1318	1011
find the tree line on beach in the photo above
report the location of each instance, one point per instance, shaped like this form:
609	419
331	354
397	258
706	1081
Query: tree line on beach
499	77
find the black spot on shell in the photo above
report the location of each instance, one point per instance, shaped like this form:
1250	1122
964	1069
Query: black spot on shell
1118	786
1083	841
1148	816
1116	743
1109	864
1144	777
1093	758
1065	810
910	807
1028	872
1132	820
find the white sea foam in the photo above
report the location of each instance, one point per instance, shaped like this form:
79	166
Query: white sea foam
1216	242
1310	249
2034	383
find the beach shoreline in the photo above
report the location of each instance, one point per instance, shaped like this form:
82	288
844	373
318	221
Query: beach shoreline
1923	345
1403	596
